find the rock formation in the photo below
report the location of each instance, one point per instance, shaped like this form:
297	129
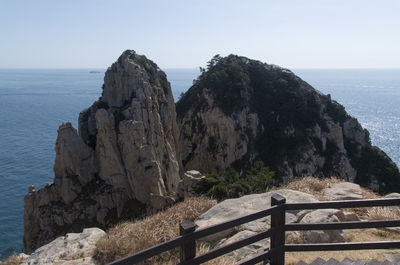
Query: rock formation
124	159
240	110
323	216
342	191
126	156
71	249
234	208
189	184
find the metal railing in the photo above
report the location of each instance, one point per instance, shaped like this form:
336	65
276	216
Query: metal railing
276	254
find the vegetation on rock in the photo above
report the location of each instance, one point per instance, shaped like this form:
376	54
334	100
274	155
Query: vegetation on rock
295	130
232	185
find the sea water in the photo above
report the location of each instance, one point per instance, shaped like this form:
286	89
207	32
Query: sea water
33	103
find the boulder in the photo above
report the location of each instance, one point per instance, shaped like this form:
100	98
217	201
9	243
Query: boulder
73	248
189	183
246	251
350	216
343	191
234	208
323	216
392	195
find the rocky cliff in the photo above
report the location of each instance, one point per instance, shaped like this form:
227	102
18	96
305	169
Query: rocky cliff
127	155
241	110
124	159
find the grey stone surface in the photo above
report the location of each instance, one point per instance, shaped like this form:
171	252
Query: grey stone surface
373	262
393	257
188	185
343	191
331	261
346	261
318	261
350	216
73	248
233	208
392	195
246	251
323	216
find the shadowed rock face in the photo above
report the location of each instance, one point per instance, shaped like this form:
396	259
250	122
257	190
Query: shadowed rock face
124	159
240	110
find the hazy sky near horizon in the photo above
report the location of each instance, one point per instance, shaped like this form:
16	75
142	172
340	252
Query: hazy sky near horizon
186	34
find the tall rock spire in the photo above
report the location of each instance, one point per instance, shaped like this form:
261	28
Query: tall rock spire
124	158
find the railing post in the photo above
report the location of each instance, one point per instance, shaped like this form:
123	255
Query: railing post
188	249
278	238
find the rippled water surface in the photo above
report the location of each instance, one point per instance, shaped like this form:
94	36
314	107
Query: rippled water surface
372	96
33	103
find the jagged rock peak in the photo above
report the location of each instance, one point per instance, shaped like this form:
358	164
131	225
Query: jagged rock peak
127	75
124	159
240	110
133	129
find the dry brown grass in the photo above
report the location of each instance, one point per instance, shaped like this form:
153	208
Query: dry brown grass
366	212
383	213
356	235
315	187
310	185
13	260
130	237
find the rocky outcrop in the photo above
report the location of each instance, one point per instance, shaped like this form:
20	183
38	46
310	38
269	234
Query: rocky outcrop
73	248
234	208
324	216
246	251
124	159
241	110
342	191
190	183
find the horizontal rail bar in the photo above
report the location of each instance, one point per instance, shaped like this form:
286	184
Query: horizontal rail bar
150	252
257	258
342	246
202	232
231	247
342	225
343	204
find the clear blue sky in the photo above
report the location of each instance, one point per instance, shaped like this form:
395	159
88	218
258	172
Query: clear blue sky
186	34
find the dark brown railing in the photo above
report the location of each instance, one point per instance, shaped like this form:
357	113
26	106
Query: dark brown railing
276	255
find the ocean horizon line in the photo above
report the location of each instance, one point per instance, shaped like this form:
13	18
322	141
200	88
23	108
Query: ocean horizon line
197	68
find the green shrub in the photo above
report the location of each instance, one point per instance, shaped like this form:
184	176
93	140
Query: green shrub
232	185
259	177
218	192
